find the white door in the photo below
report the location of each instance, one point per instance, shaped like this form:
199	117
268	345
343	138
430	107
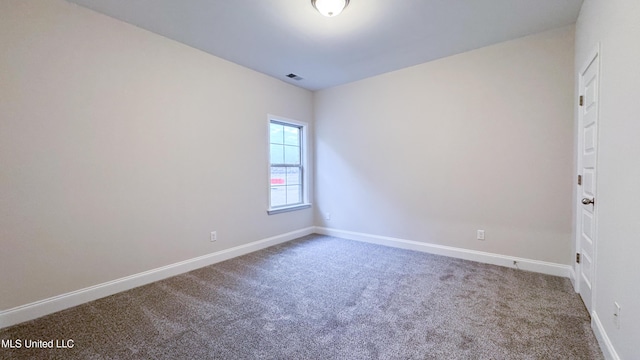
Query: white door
587	202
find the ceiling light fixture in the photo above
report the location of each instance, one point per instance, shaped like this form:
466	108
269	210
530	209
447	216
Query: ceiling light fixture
330	8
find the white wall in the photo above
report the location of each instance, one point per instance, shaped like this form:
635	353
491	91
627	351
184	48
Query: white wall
120	150
431	153
615	25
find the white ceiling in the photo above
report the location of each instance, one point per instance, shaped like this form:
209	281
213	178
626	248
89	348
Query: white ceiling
370	37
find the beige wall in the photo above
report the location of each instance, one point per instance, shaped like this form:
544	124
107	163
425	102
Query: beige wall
480	140
120	150
615	27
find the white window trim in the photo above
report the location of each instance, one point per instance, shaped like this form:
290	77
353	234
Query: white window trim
304	161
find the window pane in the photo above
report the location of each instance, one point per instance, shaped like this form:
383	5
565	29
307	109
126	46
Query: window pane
285	156
278	176
292	136
291	155
277	154
278	196
293	176
294	195
277	134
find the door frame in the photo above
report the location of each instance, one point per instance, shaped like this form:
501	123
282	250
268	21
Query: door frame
591	56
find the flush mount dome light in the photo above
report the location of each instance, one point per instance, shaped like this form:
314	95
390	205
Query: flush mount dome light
330	8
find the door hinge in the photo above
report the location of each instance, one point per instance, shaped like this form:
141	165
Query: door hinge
578	258
579	179
581	100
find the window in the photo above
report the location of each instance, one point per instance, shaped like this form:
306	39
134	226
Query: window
286	171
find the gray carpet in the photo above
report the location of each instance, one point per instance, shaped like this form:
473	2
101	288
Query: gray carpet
320	297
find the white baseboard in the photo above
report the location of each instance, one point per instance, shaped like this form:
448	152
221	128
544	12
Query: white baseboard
603	340
64	301
479	256
572	277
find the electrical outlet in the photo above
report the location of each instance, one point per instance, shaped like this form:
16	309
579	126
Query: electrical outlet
214	236
480	235
616	315
327	216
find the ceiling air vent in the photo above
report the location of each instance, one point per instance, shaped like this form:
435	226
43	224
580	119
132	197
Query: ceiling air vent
294	77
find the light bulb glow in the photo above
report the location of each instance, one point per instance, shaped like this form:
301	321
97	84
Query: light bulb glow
330	8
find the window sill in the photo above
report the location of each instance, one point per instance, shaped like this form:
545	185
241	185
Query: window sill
288	208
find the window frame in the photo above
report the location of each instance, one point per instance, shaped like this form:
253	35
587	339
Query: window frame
304	176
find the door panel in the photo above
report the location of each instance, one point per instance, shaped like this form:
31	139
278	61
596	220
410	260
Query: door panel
589	139
587	220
